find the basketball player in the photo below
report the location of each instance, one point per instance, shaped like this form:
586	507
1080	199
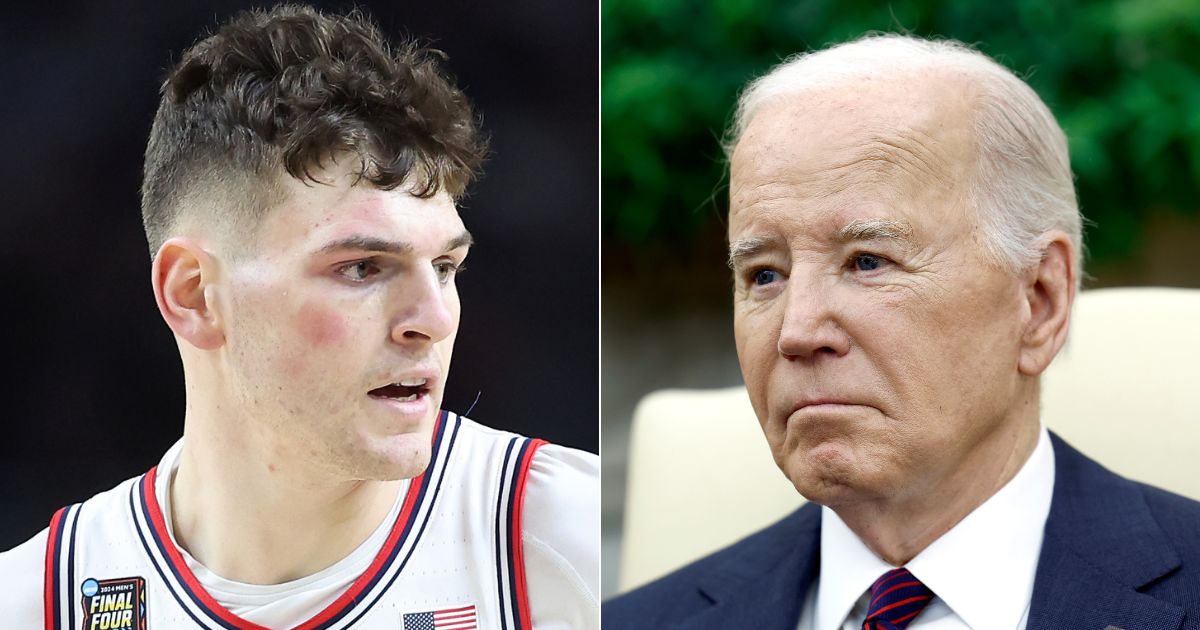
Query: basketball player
299	200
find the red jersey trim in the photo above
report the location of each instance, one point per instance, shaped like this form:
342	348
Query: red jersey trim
51	581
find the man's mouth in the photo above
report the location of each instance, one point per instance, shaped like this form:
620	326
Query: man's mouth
403	391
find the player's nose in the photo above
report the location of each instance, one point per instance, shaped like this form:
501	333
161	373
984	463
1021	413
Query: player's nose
427	310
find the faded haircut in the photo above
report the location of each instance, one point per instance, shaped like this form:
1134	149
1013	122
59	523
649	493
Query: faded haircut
281	92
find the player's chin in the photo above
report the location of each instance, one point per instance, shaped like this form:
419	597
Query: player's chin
394	457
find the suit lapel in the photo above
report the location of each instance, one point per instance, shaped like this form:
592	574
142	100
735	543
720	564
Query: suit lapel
765	588
1101	544
1072	594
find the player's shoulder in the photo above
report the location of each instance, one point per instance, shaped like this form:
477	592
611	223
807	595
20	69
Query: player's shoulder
116	498
561	526
558	498
554	480
107	513
105	509
23	568
100	507
551	469
475	430
544	453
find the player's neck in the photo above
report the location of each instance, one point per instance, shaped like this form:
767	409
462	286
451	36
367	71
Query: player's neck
250	521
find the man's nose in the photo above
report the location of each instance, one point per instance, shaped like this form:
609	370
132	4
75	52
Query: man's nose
425	311
811	325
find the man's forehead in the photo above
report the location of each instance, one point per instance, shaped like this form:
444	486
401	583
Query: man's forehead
416	223
826	159
921	127
316	218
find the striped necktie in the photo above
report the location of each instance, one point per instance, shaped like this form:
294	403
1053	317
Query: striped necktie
896	599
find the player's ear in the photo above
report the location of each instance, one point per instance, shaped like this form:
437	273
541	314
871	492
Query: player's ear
182	276
1049	292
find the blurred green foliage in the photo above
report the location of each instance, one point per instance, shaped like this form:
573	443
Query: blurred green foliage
1122	76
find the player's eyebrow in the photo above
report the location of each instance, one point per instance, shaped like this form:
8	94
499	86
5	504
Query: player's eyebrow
744	248
366	244
462	240
384	246
877	229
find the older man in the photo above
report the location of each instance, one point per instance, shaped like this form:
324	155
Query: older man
905	243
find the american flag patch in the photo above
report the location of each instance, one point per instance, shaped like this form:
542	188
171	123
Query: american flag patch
461	618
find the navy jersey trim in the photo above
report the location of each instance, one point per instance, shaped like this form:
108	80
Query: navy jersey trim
57	592
501	538
514	537
71	568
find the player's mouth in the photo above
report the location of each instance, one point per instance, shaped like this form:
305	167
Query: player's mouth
405	390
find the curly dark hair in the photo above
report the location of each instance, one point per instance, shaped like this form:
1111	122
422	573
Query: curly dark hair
283	90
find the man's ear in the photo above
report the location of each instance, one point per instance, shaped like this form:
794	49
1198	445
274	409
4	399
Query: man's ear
1049	293
182	276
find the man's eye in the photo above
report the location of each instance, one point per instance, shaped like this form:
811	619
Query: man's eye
359	271
447	270
867	262
764	277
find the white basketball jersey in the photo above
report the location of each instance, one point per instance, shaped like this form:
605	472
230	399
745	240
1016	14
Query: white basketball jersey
453	559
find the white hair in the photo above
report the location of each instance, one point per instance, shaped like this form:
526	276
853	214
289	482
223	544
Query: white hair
1022	187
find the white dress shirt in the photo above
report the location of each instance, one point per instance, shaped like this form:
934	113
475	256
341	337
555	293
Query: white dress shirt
981	571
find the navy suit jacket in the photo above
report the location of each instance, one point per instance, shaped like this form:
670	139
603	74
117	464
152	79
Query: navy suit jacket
1115	553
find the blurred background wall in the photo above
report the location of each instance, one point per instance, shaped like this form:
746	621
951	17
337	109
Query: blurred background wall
94	387
1122	77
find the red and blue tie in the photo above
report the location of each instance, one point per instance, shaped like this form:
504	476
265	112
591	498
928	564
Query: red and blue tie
896	599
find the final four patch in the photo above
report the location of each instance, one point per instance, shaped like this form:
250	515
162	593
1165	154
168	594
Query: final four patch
118	604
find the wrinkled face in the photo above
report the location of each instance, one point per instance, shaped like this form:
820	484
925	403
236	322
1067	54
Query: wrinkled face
341	322
878	345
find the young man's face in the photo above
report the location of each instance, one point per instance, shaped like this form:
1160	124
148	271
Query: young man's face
341	322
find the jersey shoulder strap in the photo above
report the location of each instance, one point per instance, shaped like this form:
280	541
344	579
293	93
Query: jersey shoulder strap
62	595
510	562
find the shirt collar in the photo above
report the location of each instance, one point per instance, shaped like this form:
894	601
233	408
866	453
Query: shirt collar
982	569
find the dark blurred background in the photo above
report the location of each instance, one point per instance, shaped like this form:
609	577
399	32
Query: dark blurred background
1121	76
93	380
